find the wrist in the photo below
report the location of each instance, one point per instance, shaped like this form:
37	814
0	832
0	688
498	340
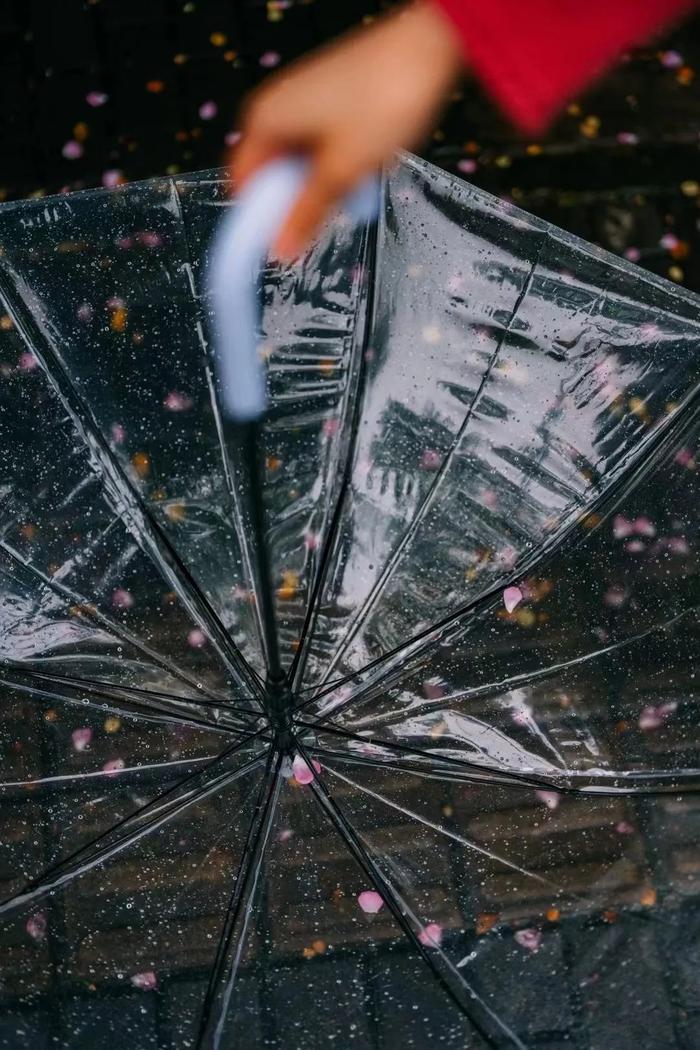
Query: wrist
432	31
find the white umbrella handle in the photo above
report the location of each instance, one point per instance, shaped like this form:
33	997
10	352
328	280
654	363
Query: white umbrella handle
238	255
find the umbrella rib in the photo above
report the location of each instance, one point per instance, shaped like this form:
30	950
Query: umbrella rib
537	460
147	694
646	461
232	941
353	413
407	921
652	783
158	811
375	593
422	641
135	509
118	704
482	772
101	774
72	779
89	611
543	673
444	831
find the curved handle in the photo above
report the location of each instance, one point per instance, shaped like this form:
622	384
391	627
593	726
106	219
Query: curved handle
239	252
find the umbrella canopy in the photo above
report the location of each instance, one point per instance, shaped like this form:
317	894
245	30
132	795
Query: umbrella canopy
476	824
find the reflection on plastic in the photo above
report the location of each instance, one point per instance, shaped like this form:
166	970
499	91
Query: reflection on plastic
481	481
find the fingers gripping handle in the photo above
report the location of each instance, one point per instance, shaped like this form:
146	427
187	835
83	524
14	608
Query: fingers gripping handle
238	255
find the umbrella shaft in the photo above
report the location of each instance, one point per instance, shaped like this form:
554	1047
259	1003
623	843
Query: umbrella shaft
250	439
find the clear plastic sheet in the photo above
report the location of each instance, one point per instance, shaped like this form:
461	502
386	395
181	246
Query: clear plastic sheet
481	482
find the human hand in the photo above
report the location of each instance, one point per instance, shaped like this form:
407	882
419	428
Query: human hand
347	109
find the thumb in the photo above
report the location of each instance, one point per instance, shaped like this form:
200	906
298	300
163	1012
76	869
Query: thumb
327	183
248	156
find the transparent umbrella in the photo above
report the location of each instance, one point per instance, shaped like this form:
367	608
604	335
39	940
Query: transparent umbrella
462	811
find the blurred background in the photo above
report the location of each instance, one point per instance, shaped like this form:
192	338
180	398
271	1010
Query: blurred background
103	91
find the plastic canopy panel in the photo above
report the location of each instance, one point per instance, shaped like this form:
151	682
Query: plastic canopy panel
482	513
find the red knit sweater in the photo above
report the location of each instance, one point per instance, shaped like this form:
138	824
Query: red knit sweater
533	55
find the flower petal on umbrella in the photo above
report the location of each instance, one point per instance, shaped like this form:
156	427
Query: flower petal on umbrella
621	527
431	935
36	926
512	597
146	981
551	799
303	774
81	738
370	901
529	938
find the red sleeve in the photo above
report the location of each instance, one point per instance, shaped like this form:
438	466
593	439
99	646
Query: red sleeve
534	55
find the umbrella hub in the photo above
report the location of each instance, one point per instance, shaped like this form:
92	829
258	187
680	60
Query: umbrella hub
279	705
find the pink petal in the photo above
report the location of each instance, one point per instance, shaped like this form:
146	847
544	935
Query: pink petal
627	138
678	545
85	312
623	827
507	557
650	719
113	766
622	527
635	547
122	599
512	597
115	303
467	166
208	110
430	460
330	427
81	738
431	936
615	597
36	926
269	59
149	239
522	715
196	639
146	981
118	433
175	402
433	689
551	799
232	138
633	254
653	717
28	362
685	457
302	773
530	938
311	541
671	59
644	527
669	241
111	178
370	901
96	98
72	150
